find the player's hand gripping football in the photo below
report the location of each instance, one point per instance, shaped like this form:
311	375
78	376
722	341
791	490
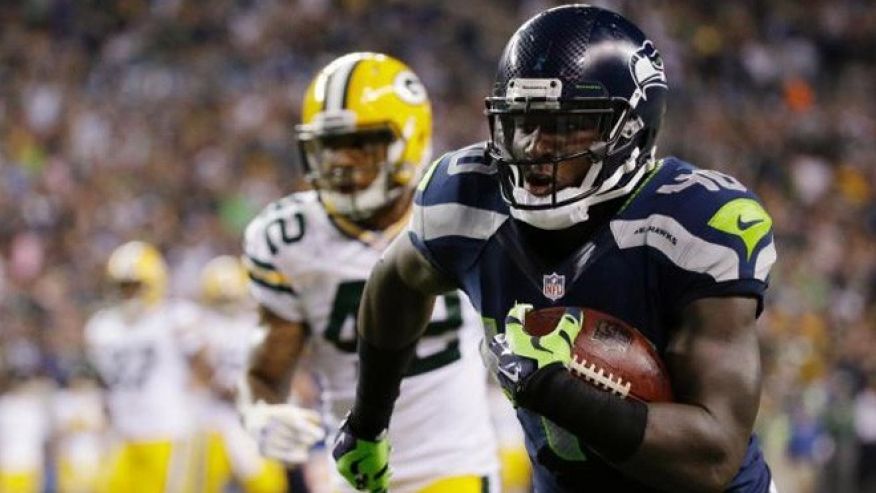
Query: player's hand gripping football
284	432
363	463
515	356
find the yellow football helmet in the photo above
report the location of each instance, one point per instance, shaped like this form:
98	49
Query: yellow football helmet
224	280
139	263
372	111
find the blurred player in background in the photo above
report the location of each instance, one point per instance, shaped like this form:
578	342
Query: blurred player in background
24	423
366	132
142	348
79	438
567	205
231	330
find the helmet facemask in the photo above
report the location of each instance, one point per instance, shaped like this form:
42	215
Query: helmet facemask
558	157
353	170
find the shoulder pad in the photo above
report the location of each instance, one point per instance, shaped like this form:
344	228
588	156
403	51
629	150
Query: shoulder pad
464	176
457	208
277	228
704	221
459	196
94	324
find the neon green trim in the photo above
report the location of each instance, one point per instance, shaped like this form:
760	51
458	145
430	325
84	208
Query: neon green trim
563	443
744	218
648	178
424	182
490	327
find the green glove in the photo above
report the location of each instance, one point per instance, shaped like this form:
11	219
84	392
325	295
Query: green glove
516	356
363	463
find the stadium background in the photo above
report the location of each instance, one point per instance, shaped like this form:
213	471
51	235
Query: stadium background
170	121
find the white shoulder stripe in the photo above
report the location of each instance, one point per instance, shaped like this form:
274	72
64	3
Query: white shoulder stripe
765	260
679	245
437	221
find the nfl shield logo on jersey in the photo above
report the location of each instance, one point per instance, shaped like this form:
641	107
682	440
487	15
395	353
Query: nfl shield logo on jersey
554	286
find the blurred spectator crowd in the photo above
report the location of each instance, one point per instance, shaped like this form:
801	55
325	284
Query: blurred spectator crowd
170	121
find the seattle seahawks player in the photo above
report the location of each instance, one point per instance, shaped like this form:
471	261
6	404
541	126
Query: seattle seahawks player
366	131
567	205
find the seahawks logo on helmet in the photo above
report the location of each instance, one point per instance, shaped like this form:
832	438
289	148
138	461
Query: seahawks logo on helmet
646	68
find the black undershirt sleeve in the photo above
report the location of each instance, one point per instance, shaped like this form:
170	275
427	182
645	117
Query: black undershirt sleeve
605	423
381	372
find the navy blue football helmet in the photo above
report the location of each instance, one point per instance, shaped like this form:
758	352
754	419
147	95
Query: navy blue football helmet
578	85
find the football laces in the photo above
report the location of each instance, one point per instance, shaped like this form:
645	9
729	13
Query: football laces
597	376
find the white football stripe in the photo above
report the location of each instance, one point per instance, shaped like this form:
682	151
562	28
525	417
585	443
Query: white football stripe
438	221
338	83
765	260
679	245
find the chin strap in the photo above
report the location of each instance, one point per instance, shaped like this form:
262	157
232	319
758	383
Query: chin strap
568	215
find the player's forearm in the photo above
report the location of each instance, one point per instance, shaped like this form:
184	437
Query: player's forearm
271	391
392	316
674	446
273	361
687	449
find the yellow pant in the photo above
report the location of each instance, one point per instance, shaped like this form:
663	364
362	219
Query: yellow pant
150	467
20	482
516	469
73	479
458	484
217	471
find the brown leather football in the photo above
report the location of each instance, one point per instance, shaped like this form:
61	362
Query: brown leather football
609	354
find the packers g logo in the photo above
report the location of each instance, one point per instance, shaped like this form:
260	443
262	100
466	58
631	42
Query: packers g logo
408	88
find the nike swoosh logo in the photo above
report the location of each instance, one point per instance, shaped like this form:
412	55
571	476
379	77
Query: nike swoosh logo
743	225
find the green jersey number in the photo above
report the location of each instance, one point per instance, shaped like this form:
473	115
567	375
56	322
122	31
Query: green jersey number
346	305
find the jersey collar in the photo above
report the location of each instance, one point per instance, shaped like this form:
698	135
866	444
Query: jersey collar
377	239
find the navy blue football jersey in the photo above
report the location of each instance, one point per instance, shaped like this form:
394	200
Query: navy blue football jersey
685	233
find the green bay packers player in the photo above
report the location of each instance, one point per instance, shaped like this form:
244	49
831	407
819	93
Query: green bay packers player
231	324
141	348
23	428
79	431
366	132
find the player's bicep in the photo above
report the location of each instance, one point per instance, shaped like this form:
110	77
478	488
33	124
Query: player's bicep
714	361
414	269
399	296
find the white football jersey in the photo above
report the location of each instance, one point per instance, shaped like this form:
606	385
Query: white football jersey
143	360
306	266
24	428
79	426
228	338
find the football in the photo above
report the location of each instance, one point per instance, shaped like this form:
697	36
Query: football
609	354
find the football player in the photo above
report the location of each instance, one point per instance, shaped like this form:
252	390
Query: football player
24	423
366	130
231	324
568	205
142	348
79	433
